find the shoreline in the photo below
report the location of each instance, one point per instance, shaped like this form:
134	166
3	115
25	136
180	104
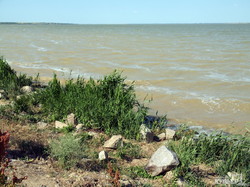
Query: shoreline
232	128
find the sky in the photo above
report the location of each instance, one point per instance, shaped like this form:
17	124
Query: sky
125	11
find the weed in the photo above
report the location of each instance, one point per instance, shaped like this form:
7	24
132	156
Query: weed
67	150
114	175
129	152
184	131
137	171
67	129
4	163
233	152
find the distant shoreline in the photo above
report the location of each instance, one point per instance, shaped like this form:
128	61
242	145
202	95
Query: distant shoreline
54	23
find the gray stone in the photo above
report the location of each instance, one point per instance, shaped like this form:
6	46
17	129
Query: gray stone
71	119
146	133
162	160
26	89
60	125
42	125
103	155
170	134
113	142
162	136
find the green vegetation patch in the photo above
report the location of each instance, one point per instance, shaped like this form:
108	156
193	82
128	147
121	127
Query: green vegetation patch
108	104
225	153
10	82
67	150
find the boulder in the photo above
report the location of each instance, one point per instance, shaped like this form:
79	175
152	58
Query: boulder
113	142
60	125
26	89
162	136
162	160
146	133
103	155
71	119
170	134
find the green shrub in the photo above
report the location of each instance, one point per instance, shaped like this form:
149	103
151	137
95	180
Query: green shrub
107	104
67	150
10	81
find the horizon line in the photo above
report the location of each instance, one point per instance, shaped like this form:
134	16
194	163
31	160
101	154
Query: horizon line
7	22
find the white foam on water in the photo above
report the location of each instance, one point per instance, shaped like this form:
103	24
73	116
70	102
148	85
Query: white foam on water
218	76
157	89
54	41
39	48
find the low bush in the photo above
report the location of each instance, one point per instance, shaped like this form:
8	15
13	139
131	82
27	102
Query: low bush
67	150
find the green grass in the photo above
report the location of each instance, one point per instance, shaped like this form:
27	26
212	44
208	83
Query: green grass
137	172
232	153
129	152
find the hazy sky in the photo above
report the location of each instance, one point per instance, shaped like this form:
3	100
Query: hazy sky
125	11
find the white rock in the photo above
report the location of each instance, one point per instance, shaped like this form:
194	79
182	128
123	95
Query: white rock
113	142
60	125
79	127
162	136
162	160
170	134
181	183
94	134
103	155
26	89
235	177
146	133
42	125
71	119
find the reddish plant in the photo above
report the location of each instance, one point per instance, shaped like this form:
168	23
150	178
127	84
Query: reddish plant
115	175
4	161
